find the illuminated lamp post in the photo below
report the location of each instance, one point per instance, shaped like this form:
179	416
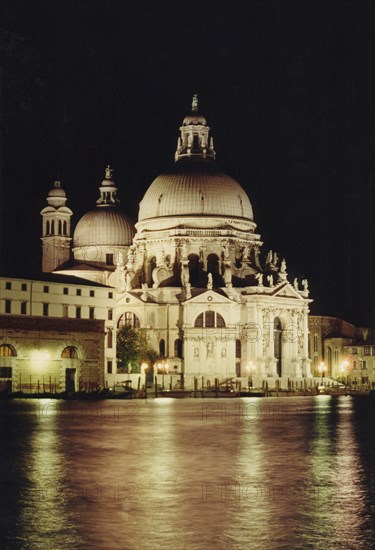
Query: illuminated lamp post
321	369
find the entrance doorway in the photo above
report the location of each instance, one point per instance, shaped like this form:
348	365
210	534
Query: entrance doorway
70	375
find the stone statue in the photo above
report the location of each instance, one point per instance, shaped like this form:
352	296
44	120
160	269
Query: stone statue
246	254
226	251
305	285
283	266
185	275
275	259
188	290
108	172
270	280
295	284
194	104
128	282
196	352
209	281
259	278
269	258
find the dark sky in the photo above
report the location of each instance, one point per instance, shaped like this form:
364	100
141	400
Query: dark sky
287	88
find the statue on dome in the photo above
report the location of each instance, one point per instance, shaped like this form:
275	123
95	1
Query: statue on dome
194	104
108	172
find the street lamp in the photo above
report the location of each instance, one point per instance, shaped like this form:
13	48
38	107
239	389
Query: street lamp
321	369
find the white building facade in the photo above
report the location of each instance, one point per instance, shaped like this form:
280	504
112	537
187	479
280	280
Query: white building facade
191	273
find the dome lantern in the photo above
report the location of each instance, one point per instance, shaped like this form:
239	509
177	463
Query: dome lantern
194	141
108	190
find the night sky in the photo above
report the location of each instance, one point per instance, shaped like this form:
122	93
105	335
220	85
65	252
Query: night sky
286	87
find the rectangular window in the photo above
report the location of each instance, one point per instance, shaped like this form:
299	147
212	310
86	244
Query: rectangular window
79	292
354	351
109	367
354	365
65	311
66	290
367	350
45	309
24	286
92	293
109	259
8	306
78	312
363	364
8	285
110	314
91	313
110	294
46	289
23	308
110	338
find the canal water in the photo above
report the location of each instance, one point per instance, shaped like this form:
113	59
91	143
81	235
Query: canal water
252	473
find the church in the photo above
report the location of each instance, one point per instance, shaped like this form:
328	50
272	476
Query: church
191	271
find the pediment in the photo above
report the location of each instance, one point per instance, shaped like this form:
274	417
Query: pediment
210	297
132	298
285	290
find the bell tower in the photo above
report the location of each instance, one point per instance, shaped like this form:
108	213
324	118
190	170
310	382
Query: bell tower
56	237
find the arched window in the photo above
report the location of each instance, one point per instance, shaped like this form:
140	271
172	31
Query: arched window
209	319
59	227
178	348
129	318
65	228
277	339
7	350
70	352
52	227
162	348
47	227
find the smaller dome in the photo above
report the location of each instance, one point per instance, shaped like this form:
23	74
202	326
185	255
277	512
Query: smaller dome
57	190
104	226
194	118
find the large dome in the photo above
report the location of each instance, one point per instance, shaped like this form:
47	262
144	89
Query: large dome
104	226
195	187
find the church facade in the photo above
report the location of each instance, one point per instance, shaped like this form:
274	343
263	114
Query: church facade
191	270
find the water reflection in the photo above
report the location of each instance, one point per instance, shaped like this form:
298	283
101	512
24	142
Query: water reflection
223	473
